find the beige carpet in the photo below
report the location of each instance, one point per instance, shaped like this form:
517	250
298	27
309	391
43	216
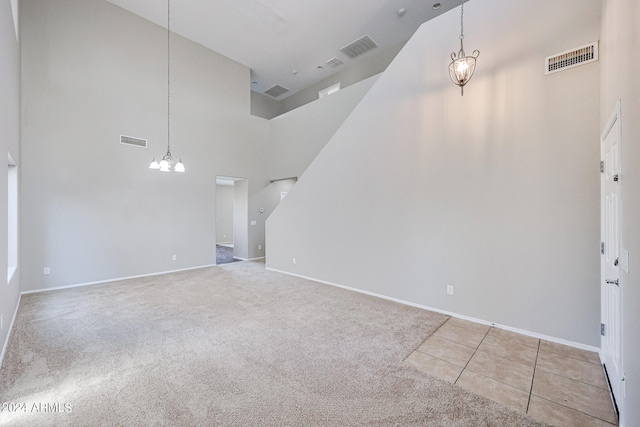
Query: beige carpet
234	345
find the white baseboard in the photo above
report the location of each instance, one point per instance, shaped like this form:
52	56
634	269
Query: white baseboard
247	259
448	313
13	319
99	282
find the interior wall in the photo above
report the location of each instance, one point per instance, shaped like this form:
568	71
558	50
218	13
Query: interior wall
370	64
495	192
620	36
298	136
241	219
9	143
264	106
224	213
93	210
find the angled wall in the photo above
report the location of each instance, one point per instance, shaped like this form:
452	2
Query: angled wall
495	193
296	137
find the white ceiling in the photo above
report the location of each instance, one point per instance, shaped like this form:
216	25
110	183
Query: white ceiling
275	37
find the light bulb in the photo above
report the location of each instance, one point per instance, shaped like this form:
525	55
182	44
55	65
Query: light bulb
154	164
179	167
164	166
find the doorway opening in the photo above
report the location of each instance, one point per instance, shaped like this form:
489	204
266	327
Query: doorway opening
232	197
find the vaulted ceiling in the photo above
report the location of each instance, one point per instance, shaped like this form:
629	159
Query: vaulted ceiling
289	42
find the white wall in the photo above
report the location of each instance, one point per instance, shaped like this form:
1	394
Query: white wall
224	213
370	64
495	192
621	37
241	219
10	142
297	137
264	106
92	209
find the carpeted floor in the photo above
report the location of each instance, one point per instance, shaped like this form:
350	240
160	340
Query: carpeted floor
231	345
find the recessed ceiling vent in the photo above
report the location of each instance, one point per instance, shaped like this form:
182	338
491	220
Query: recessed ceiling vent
334	62
358	47
130	140
276	91
571	58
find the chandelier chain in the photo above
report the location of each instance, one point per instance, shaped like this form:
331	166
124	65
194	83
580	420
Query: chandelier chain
461	24
168	76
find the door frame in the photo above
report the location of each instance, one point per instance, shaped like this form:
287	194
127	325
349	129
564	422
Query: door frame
616	383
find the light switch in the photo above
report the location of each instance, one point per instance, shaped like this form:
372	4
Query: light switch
253	223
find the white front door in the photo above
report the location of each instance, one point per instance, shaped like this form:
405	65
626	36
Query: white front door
611	299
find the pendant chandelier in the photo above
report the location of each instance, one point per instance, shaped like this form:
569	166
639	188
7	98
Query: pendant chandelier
462	66
168	162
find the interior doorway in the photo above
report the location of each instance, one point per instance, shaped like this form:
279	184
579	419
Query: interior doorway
231	218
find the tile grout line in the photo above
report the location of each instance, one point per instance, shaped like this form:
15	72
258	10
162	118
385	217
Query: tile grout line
535	366
425	340
473	354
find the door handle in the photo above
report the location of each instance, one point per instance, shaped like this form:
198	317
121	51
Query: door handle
612	282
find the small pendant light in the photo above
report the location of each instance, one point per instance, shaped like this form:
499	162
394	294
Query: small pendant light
462	66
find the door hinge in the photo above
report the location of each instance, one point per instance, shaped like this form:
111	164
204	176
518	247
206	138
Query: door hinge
601	248
602	329
601	167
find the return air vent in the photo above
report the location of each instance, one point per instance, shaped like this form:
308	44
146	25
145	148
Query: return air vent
276	91
334	62
571	58
130	140
358	47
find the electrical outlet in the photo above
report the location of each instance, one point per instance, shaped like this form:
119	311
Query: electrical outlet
259	246
175	257
293	260
449	289
46	270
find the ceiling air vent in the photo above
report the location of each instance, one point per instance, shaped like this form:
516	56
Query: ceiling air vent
571	58
276	91
358	47
130	140
334	62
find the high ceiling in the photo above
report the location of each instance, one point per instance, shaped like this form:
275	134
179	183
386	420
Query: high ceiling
284	42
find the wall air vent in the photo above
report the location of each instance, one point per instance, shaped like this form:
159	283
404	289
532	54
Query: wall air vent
334	62
571	58
130	140
276	91
358	47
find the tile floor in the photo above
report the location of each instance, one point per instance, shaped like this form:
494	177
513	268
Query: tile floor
557	384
